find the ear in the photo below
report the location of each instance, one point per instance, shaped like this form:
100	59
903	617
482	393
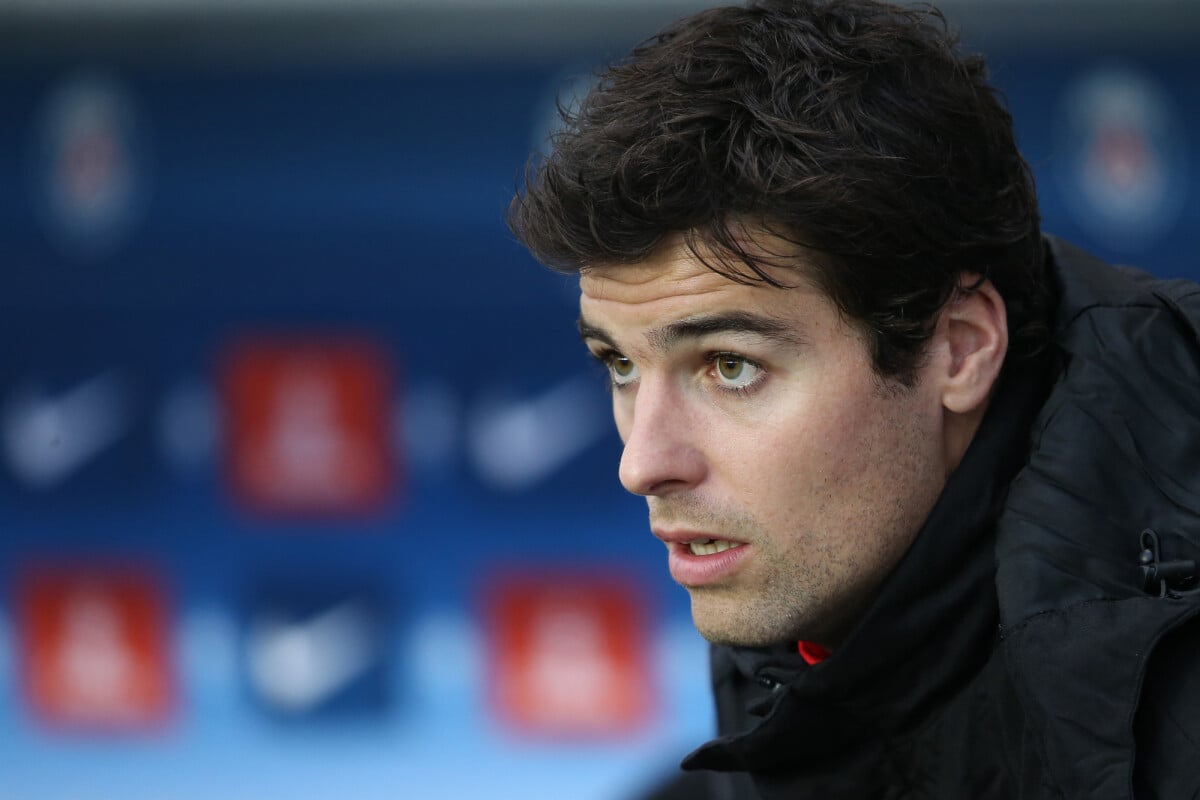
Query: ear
975	326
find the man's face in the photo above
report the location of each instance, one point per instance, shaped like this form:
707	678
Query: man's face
784	475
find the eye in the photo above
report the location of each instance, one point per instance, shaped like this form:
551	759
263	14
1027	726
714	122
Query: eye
736	372
622	370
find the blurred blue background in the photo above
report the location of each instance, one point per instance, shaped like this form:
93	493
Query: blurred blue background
306	486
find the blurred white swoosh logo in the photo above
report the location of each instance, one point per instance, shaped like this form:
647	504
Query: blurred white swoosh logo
297	666
517	444
47	439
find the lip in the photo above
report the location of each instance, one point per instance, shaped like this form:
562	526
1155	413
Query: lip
690	570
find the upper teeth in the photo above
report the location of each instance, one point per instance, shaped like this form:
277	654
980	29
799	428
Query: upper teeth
710	547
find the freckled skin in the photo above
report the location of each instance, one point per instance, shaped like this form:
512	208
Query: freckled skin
824	471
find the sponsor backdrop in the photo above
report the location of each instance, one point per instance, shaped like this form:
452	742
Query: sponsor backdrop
306	486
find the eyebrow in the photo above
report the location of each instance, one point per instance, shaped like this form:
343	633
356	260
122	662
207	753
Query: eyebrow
664	338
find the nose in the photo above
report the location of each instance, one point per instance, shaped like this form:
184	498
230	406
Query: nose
661	453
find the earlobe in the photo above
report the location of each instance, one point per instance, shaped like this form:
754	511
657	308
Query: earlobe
975	327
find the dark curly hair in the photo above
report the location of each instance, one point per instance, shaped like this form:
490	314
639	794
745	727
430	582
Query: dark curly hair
853	129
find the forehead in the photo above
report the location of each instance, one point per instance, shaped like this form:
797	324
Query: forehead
675	272
675	282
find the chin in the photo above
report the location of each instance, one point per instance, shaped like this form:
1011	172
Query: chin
725	621
727	639
735	633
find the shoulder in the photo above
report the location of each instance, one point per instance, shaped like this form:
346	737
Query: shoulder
1114	451
1116	447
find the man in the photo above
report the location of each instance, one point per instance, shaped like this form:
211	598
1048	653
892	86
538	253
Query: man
931	480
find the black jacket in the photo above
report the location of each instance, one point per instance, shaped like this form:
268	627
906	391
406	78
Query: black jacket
1024	647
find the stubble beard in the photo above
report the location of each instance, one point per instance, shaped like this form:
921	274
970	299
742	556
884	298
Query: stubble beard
777	599
799	585
783	601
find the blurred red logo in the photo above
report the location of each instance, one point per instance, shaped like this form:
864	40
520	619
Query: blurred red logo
568	656
94	649
309	426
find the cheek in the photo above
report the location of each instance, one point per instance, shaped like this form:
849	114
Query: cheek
775	469
812	456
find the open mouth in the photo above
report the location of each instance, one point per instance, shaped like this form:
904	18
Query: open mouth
710	547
